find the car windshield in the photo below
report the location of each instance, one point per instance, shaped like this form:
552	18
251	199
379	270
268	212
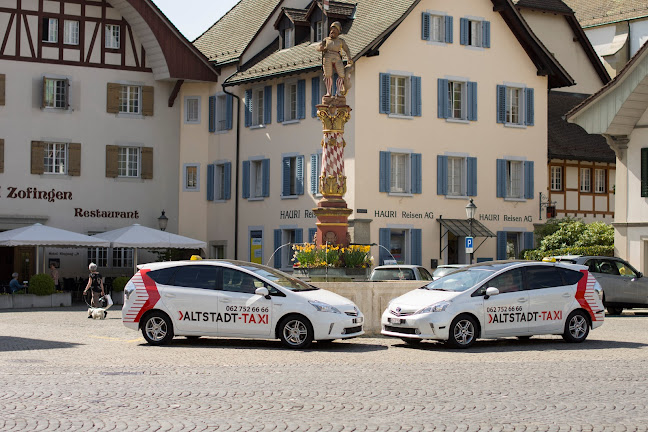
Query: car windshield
280	278
392	274
460	280
442	271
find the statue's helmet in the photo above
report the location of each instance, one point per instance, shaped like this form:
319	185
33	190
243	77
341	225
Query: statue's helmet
337	25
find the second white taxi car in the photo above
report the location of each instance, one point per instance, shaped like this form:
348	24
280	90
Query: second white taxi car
499	299
234	299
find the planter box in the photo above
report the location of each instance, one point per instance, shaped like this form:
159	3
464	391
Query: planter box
28	301
6	302
332	274
117	297
61	299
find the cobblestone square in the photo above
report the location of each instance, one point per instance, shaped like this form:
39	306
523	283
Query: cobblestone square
61	371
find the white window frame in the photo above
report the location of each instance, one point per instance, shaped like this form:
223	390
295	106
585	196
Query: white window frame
290	102
556	178
293	174
122	257
221	112
56	93
437	28
289	37
133	95
452	91
514	179
319	31
192	110
395	173
600	178
219	181
256	179
511	107
55	158
98	255
113	36
461	176
125	157
475	33
191	177
71	32
52	31
586	180
394	86
258	114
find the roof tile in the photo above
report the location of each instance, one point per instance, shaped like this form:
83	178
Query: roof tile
598	12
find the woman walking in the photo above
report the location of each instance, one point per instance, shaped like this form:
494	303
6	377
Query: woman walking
96	283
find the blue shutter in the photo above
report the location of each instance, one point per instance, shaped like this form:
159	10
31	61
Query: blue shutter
472	101
285	188
501	104
301	99
385	171
425	26
212	113
417	246
227	173
442	175
267	105
501	178
312	232
248	108
528	180
229	111
299	235
501	245
416	96
265	167
463	31
472	176
384	107
486	34
314	186
528	240
315	96
417	173
300	175
529	106
280	103
448	29
210	182
442	98
246	179
384	240
277	245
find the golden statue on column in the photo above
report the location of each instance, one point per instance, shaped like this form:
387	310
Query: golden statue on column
332	212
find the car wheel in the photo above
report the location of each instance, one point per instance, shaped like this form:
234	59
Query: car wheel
295	332
576	327
614	310
157	328
409	341
463	332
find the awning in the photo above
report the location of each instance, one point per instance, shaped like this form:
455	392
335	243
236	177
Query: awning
461	227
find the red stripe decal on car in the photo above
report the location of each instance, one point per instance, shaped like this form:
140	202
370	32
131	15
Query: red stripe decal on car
153	294
585	291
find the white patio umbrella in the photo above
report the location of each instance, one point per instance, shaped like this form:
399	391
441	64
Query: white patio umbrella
43	235
137	236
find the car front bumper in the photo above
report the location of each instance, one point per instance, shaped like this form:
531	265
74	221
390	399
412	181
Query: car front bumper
328	326
434	325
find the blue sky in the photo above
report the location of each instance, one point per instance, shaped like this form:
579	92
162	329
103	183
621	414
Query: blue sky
193	17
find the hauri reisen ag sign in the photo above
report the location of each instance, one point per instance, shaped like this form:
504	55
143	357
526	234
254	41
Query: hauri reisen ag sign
53	195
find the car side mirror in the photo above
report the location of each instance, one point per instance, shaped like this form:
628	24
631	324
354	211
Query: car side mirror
491	291
262	291
639	275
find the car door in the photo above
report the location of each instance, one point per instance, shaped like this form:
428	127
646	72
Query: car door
615	288
636	287
505	313
191	299
240	310
549	298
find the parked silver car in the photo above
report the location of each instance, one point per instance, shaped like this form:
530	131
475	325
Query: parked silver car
400	272
446	269
623	286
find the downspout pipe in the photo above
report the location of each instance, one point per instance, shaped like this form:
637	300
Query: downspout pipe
238	152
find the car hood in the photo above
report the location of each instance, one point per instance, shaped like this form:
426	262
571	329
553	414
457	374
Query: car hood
326	297
420	298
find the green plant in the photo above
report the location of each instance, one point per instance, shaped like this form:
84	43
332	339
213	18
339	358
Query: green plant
41	285
356	256
572	232
309	255
119	283
572	250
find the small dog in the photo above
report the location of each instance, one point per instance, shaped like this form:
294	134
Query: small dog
97	313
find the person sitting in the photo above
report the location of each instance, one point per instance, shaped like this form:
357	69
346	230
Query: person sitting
14	285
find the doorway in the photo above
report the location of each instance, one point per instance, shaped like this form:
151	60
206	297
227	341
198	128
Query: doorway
25	262
453	249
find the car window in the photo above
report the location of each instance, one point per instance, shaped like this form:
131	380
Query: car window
196	276
162	276
592	266
460	280
425	275
237	281
608	267
543	277
511	281
393	274
624	270
571	277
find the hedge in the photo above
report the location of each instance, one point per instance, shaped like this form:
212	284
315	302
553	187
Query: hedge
41	285
119	283
572	250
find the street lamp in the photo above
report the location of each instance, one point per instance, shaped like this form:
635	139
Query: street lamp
163	221
470	214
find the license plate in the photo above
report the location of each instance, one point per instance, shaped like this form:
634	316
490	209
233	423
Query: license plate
395	320
357	320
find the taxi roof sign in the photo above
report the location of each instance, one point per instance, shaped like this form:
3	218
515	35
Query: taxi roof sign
195	258
549	259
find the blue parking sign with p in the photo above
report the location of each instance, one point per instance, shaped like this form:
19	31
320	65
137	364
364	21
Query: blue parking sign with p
469	244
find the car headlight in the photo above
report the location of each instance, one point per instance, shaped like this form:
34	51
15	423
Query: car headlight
436	307
323	307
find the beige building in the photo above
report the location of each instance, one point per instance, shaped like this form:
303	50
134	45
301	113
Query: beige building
89	131
619	112
436	121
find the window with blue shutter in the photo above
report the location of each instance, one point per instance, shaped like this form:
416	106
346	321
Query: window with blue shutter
501	104
448	29
229	103
267	105
417	246
472	100
277	245
285	189
417	173
442	175
528	180
486	34
300	175
384	94
463	31
210	182
471	163
227	188
248	108
246	179
312	232
301	99
528	240
416	96
316	160
501	178
384	242
280	103
425	26
474	33
265	164
315	95
529	106
442	98
299	235
385	171
501	245
212	113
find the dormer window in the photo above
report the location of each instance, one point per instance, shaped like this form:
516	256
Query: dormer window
289	38
319	31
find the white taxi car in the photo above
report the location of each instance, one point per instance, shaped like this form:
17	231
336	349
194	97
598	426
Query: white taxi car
499	299
234	299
